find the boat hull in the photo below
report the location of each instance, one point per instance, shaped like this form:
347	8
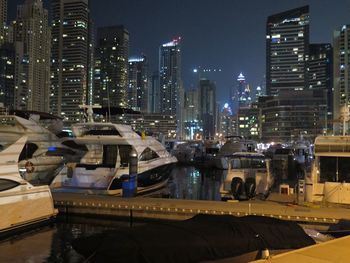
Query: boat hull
22	208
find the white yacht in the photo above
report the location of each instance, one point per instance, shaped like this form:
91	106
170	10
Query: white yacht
249	174
329	180
233	145
21	203
105	165
43	154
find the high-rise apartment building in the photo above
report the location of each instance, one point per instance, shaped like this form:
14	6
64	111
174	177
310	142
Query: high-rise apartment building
191	114
112	54
287	41
138	84
69	65
293	107
243	92
170	83
341	69
31	35
7	75
153	98
3	20
320	71
207	106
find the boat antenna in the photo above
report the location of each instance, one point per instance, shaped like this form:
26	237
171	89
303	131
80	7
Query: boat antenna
89	111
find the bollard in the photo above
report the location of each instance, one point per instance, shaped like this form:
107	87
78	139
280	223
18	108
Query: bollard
129	184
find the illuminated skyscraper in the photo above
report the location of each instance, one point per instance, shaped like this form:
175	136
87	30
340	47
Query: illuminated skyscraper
293	107
7	75
170	83
138	84
207	106
320	69
112	52
3	20
287	41
341	46
70	59
31	35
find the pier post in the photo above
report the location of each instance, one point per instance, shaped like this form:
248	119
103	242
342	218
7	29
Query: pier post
130	184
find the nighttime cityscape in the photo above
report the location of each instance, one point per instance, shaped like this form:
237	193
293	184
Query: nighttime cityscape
174	131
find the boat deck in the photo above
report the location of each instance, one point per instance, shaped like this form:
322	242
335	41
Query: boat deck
336	250
175	209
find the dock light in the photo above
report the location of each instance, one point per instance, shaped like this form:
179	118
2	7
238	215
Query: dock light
195	70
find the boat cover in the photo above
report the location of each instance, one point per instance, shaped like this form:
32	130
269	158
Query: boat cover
203	237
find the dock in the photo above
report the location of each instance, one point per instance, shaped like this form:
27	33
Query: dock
336	250
175	209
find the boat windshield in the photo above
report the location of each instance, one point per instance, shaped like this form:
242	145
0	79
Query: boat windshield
334	169
248	163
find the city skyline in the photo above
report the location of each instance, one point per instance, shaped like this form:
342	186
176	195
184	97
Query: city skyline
237	47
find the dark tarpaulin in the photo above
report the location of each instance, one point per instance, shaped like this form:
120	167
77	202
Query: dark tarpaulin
203	237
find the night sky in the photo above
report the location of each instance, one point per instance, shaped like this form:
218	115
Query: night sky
225	34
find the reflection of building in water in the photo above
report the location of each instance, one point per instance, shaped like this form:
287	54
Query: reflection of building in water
191	183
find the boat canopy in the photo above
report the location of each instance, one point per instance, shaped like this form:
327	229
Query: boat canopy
332	146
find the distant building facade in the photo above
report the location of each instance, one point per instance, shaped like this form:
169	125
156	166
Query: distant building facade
191	114
70	58
31	36
112	53
207	108
227	122
153	98
320	71
341	46
294	105
7	75
287	42
248	121
170	82
3	21
138	86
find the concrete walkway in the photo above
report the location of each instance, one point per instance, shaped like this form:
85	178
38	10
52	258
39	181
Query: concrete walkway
175	209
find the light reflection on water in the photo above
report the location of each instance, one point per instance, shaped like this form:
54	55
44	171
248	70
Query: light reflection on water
53	244
188	182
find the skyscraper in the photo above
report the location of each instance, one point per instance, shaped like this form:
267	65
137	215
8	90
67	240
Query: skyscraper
243	92
320	69
69	65
170	83
207	106
32	40
341	47
7	75
293	107
287	41
138	84
191	114
153	101
3	20
112	52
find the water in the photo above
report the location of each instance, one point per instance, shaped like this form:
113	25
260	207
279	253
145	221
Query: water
52	244
189	182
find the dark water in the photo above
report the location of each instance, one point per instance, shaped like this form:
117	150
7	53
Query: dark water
53	243
188	182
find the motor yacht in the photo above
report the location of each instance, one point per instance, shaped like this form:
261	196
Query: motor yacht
233	145
329	180
249	174
44	153
21	203
105	165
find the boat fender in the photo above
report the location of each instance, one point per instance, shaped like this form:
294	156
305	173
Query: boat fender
29	167
236	187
